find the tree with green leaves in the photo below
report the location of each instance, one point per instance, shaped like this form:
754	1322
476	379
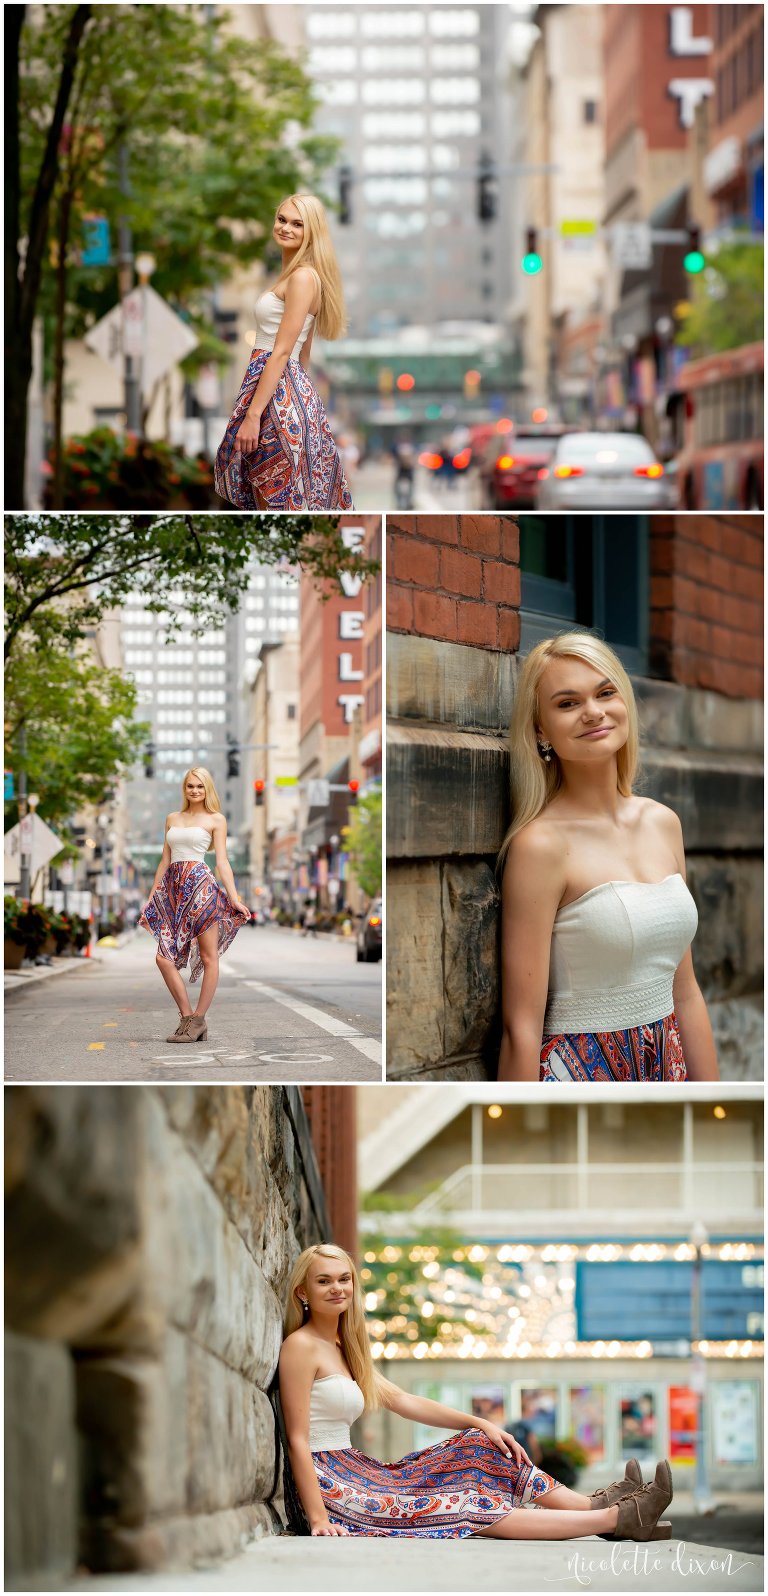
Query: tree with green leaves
63	573
157	117
726	305
363	842
80	731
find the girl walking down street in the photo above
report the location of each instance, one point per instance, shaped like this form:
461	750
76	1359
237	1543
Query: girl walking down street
190	916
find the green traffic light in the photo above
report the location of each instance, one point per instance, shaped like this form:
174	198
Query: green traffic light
531	264
694	261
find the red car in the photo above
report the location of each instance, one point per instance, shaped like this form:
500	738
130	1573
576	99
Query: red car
510	466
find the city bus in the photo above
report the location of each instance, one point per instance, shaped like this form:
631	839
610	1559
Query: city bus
718	418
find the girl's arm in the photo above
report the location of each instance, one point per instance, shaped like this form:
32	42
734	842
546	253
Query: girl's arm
296	1376
532	887
306	349
224	867
165	858
691	1010
422	1410
300	291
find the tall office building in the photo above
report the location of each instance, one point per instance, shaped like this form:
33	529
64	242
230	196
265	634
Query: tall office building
192	692
416	95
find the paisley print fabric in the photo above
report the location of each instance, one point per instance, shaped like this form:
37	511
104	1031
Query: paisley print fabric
296	465
447	1491
642	1053
188	901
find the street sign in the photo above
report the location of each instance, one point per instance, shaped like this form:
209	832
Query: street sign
36	838
632	245
151	329
318	793
96	249
9	790
578	227
286	781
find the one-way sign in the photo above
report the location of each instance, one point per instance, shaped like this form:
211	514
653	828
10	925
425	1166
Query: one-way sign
632	246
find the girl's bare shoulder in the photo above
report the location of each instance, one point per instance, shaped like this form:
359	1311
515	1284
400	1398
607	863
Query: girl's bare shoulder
297	1352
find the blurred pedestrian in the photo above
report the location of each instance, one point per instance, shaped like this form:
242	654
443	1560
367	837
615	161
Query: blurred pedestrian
278	452
310	921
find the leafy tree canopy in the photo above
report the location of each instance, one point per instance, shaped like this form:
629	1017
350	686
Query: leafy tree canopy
63	573
80	731
725	309
215	131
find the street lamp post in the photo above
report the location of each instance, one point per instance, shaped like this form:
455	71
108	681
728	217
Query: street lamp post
103	825
702	1495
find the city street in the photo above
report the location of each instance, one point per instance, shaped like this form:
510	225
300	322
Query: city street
288	1008
373	488
424	1565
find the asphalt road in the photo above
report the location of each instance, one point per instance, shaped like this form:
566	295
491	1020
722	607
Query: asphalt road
288	1008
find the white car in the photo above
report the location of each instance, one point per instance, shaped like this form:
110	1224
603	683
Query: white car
603	471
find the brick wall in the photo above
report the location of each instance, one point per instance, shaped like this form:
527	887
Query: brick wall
455	578
706	609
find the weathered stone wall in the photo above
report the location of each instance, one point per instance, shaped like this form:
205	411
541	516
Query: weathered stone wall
150	1232
447	786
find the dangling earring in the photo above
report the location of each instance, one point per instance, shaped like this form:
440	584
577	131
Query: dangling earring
305	1307
545	749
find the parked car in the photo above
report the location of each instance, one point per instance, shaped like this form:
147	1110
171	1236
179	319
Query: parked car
510	465
369	934
603	471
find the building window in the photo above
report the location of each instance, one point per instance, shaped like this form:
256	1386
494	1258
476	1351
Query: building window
409	125
586	571
391	24
590	112
291	711
393	58
453	24
330	24
455	57
454	91
392	91
455	124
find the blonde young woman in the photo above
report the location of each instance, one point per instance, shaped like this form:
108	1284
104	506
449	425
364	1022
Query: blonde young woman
187	911
597	920
475	1483
278	451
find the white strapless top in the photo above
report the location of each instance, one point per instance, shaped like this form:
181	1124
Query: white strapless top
268	311
189	844
334	1403
614	954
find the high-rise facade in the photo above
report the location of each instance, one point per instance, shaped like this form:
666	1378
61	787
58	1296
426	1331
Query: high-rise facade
192	691
416	96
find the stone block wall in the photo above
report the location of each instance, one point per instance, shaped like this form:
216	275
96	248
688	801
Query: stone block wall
150	1233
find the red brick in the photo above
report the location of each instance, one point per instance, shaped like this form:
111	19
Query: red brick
436	528
742	614
510	539
697	563
508	630
501	583
434	616
476	623
662	625
661	555
661	592
481	533
399	608
415	561
746	582
461	573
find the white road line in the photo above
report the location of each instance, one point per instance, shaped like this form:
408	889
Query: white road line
306	1010
368	1045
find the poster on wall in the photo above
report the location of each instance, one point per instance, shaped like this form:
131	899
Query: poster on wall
734	1421
683	1423
538	1408
488	1402
638	1421
588	1419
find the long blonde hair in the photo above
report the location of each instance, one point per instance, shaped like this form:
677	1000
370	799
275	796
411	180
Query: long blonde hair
211	802
534	783
353	1336
316	250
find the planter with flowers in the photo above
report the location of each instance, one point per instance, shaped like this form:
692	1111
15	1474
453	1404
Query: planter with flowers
106	470
27	925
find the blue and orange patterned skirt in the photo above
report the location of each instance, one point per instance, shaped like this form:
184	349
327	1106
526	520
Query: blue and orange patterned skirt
296	465
643	1053
187	902
448	1491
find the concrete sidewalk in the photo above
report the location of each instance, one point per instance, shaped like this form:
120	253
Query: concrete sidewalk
291	1564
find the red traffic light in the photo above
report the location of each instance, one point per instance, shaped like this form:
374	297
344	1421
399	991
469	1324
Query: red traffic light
354	786
258	785
406	382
